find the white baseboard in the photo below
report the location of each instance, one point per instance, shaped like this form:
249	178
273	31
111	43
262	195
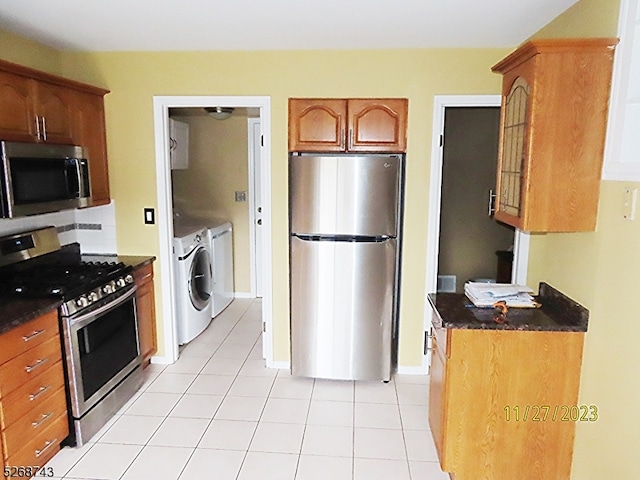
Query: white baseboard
282	365
161	360
243	295
413	370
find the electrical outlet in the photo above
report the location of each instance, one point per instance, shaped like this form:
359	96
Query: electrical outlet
630	201
241	196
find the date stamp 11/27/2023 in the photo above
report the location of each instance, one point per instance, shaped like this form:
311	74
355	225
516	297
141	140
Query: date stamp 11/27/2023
553	413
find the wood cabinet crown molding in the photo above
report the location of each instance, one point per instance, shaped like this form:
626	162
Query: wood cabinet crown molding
17	69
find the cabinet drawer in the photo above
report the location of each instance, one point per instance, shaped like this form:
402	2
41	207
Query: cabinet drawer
32	423
28	335
30	364
40	449
32	394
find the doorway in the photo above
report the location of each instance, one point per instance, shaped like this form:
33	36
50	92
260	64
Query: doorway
472	244
162	107
521	239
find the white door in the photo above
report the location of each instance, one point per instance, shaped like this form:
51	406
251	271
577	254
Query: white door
255	149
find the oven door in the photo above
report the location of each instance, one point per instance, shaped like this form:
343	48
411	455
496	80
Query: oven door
102	348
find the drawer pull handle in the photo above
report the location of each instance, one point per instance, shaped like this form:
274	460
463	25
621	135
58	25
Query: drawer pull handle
43	418
33	335
40	391
40	362
47	445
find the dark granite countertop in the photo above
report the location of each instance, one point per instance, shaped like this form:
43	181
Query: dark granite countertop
16	311
557	313
136	261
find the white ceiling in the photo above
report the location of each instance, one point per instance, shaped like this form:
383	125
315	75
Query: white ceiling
142	25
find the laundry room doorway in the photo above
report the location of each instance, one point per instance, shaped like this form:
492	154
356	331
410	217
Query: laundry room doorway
194	110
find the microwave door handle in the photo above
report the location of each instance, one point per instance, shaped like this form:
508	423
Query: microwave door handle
83	180
73	168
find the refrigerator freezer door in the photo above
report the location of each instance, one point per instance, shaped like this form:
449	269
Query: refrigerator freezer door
345	194
342	302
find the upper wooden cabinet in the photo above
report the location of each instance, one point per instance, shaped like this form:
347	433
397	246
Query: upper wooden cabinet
36	111
348	125
89	130
39	107
555	96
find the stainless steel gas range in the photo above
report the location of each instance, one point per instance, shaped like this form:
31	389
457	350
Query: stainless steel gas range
98	322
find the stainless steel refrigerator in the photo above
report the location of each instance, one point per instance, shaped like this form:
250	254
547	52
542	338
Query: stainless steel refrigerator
345	217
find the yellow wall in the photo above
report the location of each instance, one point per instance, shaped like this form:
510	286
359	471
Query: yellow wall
218	167
16	49
134	78
600	270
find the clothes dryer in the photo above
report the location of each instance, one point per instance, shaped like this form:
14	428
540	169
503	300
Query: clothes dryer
194	275
221	237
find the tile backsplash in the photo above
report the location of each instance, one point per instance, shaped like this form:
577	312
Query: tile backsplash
93	228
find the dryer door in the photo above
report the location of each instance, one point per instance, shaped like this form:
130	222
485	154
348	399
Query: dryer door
200	276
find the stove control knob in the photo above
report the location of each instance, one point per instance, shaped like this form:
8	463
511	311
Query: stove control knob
108	289
82	302
93	297
120	283
128	279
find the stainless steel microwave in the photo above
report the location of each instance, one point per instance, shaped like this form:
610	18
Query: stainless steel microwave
38	178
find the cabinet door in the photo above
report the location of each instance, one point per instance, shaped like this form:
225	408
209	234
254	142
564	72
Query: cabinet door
512	164
54	107
317	125
145	302
17	118
437	403
89	132
377	125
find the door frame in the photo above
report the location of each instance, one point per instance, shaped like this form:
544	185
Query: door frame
254	153
521	239
161	106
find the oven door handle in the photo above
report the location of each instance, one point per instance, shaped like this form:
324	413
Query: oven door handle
88	317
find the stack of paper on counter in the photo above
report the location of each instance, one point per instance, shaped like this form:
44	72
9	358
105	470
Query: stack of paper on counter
486	294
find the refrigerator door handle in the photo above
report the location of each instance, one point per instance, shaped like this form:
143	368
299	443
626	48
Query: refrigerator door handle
306	237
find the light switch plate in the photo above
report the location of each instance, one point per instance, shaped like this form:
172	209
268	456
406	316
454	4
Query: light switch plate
149	216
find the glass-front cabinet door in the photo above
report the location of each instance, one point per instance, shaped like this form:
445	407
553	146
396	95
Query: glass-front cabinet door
514	139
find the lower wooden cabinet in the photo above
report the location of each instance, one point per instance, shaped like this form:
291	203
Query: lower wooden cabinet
33	406
146	309
503	403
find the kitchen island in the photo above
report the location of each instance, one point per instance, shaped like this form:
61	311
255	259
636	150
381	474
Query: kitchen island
503	395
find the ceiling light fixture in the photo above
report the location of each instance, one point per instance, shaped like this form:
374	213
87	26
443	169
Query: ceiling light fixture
219	113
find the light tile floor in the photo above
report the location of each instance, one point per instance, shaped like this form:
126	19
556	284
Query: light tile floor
218	413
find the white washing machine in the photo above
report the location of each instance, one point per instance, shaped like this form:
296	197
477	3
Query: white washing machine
194	282
221	237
